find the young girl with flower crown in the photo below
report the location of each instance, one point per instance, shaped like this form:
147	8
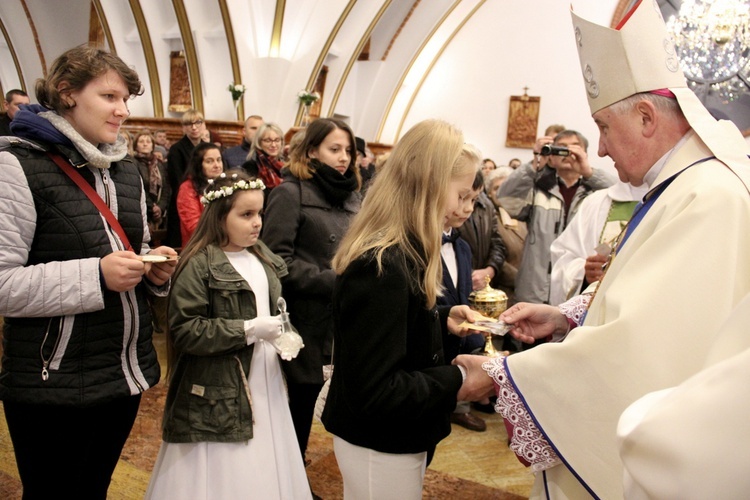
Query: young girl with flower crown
227	430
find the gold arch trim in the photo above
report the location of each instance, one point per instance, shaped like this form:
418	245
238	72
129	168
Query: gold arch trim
406	71
324	52
432	65
233	57
13	54
355	56
196	89
400	29
148	53
39	50
278	25
105	25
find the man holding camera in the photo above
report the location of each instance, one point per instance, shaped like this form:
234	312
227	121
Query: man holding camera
546	194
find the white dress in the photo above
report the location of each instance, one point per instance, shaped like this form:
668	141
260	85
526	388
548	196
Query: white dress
268	466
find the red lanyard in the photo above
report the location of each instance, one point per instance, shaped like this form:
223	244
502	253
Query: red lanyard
94	197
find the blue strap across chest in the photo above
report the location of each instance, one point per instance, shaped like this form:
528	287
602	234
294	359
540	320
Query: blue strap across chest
643	207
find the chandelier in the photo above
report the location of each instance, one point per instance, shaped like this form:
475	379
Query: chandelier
712	38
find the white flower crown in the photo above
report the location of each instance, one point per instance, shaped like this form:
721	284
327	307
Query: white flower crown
224	191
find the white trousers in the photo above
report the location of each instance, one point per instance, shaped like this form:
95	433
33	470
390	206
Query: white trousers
373	475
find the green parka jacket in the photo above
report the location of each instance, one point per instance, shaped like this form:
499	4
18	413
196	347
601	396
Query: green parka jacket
208	397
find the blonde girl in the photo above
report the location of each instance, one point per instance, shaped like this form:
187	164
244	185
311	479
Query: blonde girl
391	394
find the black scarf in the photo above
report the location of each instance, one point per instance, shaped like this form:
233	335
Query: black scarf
336	187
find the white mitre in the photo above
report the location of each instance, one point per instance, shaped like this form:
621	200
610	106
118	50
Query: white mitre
639	56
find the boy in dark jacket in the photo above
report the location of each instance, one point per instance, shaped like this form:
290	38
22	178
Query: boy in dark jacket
457	284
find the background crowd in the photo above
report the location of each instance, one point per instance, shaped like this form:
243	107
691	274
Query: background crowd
300	259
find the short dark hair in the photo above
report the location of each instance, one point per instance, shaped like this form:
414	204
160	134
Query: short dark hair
77	67
568	133
12	92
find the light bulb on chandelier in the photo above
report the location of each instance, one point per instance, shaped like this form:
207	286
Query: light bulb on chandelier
712	39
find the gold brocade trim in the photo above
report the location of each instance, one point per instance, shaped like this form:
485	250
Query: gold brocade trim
615	206
610	258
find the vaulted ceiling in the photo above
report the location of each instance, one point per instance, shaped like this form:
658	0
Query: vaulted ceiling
274	47
370	58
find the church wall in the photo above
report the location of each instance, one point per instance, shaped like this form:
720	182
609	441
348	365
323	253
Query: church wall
503	48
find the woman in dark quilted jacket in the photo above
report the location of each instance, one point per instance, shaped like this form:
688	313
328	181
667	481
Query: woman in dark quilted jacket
74	276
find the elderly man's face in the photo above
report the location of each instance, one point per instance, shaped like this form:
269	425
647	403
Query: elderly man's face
621	140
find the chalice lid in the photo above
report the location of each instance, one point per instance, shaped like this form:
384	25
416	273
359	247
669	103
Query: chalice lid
487	294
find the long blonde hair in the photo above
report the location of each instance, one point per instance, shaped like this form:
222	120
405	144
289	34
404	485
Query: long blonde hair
405	205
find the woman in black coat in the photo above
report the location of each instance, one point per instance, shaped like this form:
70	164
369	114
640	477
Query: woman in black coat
306	217
391	393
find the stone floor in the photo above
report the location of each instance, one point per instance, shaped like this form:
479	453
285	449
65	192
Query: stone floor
467	464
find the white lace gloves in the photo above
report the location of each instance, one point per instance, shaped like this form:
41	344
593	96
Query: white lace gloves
263	328
271	329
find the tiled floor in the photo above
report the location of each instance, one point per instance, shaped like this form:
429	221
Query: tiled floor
466	465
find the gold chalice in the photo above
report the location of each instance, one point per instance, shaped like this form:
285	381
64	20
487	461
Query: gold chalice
491	303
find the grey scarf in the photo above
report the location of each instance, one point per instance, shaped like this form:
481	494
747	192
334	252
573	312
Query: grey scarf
101	157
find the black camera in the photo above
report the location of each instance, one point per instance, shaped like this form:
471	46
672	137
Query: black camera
550	149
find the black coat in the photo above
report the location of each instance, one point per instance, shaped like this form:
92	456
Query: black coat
482	233
178	160
391	390
303	228
5	125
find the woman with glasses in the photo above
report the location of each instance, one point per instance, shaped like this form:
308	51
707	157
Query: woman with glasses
205	164
264	159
